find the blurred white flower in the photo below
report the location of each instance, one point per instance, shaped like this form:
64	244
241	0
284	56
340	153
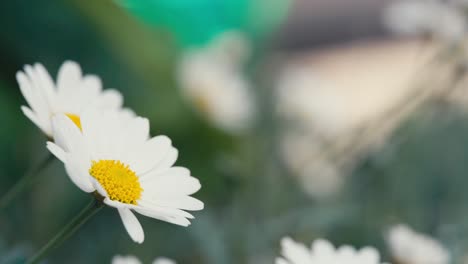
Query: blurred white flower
71	94
309	101
315	115
410	247
444	20
114	156
213	81
133	260
125	260
323	252
318	176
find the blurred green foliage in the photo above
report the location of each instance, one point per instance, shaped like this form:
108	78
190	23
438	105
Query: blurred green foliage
251	200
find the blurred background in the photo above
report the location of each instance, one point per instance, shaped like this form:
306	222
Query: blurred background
313	119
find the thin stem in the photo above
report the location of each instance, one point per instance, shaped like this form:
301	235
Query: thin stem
24	182
93	207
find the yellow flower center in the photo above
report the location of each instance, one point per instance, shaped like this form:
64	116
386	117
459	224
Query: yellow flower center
76	119
119	181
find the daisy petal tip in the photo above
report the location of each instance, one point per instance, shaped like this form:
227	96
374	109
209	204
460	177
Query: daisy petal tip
56	151
20	77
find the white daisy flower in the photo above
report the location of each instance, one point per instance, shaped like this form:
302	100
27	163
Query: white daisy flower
70	95
114	157
133	260
323	252
212	80
408	246
444	20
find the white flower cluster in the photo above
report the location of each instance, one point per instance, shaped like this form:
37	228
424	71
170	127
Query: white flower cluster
107	150
323	252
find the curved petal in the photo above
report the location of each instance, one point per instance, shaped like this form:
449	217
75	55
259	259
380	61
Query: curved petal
125	260
46	81
179	202
175	181
169	160
281	261
170	215
68	77
148	156
163	261
44	126
132	225
115	204
57	151
111	98
78	174
294	252
66	134
92	85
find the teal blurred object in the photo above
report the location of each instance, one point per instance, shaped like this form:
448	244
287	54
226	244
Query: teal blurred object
195	22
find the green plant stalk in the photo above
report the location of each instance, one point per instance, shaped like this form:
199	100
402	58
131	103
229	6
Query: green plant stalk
92	208
27	180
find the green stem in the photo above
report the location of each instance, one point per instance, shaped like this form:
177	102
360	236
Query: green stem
24	182
93	207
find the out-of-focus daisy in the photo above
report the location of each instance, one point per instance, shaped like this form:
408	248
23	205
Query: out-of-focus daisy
441	19
323	252
303	156
309	101
71	94
114	157
315	115
212	80
134	260
410	247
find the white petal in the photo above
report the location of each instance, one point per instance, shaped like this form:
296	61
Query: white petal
169	160
137	131
25	87
322	246
92	84
173	216
175	181
44	126
294	252
181	202
100	189
369	255
66	134
115	204
277	261
46	81
35	100
78	173
125	260
57	151
68	137
111	99
163	261
148	156
69	76
132	225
